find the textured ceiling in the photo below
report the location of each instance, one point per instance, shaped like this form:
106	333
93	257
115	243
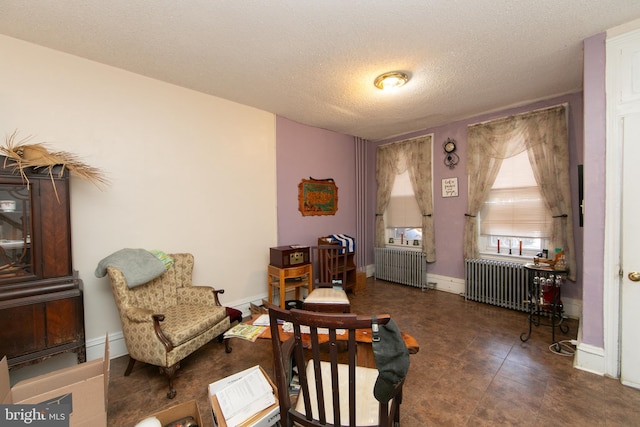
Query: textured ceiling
314	62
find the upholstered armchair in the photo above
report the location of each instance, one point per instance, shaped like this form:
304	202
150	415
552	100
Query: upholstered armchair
167	319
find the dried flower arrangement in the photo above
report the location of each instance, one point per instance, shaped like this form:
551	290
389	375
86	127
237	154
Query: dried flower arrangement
24	155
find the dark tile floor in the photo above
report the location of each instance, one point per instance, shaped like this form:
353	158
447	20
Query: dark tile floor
471	370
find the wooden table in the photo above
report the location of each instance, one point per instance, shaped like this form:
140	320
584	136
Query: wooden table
363	340
289	278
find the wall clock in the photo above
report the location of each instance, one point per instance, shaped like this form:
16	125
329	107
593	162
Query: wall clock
451	158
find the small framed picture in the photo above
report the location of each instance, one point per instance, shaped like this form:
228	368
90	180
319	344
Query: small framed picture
450	187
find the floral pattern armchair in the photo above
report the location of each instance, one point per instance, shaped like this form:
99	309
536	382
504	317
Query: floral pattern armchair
167	319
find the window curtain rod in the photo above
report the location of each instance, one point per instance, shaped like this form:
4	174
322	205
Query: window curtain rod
407	140
564	104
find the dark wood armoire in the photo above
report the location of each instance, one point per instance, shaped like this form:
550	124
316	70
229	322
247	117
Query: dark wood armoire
41	302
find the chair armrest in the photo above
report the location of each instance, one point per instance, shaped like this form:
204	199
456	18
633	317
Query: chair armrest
199	295
139	315
144	315
217	292
157	318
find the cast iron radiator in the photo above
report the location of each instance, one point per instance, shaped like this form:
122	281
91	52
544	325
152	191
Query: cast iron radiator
500	283
406	267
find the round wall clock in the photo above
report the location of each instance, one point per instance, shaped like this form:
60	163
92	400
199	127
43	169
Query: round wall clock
449	146
451	158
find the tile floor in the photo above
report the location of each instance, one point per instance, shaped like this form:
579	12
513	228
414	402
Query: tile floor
471	370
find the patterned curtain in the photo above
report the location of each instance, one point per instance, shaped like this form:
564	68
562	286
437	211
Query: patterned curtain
548	149
386	171
418	158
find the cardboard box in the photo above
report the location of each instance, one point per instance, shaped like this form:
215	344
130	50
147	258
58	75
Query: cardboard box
265	418
361	281
86	383
177	412
257	310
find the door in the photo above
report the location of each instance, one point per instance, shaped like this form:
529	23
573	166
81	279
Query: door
630	291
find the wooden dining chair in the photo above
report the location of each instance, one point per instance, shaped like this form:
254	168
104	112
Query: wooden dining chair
333	391
329	294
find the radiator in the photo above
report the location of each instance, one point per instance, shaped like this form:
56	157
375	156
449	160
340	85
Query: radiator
406	267
496	282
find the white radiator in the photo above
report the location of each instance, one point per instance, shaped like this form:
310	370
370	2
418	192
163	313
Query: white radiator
406	267
496	282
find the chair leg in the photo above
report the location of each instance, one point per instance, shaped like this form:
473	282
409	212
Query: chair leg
132	362
396	419
170	373
227	343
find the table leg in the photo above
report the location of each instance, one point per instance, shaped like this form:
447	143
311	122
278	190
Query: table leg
282	288
364	355
270	287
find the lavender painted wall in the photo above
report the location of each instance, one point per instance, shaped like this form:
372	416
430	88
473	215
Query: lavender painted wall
302	152
594	190
449	212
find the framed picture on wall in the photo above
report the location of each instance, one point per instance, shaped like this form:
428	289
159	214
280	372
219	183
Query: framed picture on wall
317	197
450	187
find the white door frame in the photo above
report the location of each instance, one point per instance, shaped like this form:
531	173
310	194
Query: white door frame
615	111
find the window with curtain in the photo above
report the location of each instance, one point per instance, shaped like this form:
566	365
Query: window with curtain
543	135
514	218
403	218
414	157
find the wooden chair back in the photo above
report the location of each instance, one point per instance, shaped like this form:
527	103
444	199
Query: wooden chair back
316	341
332	263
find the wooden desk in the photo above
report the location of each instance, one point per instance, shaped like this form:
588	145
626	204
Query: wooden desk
363	339
287	278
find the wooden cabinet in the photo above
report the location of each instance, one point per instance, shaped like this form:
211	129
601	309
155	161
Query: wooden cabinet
350	264
41	302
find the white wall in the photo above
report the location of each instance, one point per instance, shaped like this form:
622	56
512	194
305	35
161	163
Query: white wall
189	172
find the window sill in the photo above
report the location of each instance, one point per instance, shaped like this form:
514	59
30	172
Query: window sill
403	247
523	259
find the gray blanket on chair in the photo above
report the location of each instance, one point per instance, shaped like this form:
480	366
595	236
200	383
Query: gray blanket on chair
138	266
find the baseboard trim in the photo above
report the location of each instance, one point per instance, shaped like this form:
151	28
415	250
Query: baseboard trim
244	305
435	281
572	307
117	346
590	359
446	284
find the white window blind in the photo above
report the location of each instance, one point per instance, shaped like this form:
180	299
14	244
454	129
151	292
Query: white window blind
403	210
515	206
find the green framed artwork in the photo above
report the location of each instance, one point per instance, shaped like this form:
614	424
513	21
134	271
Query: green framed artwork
317	197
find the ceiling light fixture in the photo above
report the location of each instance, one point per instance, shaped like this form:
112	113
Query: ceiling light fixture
391	80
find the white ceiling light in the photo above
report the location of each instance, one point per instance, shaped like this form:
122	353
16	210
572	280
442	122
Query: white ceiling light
391	80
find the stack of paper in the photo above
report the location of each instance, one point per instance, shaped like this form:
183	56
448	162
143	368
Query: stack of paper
243	395
262	320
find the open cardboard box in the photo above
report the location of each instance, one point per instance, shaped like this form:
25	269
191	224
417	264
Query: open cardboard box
178	412
265	418
87	384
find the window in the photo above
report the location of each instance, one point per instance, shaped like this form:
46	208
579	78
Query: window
514	219
402	217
